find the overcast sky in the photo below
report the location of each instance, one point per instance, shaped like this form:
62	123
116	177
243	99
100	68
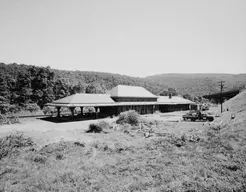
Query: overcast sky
132	37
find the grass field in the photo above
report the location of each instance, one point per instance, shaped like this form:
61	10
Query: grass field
176	156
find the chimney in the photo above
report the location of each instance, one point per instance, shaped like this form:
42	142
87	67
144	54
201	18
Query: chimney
170	95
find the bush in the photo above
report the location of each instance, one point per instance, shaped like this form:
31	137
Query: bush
59	156
38	158
94	128
10	143
32	107
8	108
4	108
89	110
130	117
47	110
101	126
104	124
79	144
103	146
126	128
11	109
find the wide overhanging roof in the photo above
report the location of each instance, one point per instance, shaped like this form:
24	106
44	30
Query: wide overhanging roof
100	104
103	100
82	98
173	100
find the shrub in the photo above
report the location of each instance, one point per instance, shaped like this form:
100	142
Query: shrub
49	110
32	107
103	146
125	128
59	156
101	126
94	128
179	142
38	158
191	137
8	108
104	124
89	110
131	117
10	143
4	108
79	144
119	147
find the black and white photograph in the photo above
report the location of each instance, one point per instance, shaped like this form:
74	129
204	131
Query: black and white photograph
122	95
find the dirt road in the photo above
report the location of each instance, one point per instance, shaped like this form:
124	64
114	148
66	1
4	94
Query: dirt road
45	132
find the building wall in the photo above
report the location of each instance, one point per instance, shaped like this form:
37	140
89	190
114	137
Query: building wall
108	111
171	108
141	109
194	107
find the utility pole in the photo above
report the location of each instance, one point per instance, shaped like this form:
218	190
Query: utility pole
221	98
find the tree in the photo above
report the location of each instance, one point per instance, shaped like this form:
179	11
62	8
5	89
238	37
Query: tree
171	91
78	88
164	93
48	96
95	88
12	88
4	88
209	84
90	89
2	100
188	96
42	84
61	89
23	88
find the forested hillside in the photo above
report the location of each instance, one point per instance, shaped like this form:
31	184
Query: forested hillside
106	81
200	84
26	85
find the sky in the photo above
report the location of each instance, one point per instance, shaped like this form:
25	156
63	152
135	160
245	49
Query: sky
131	37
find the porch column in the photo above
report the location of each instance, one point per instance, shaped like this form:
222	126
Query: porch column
58	111
72	110
97	109
81	111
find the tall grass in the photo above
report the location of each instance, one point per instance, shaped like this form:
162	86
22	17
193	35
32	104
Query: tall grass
192	161
11	143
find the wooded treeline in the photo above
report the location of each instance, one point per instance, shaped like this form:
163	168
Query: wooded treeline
23	85
27	86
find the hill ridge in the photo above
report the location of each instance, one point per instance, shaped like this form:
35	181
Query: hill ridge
196	84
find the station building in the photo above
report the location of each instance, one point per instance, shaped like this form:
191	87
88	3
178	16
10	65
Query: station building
123	98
